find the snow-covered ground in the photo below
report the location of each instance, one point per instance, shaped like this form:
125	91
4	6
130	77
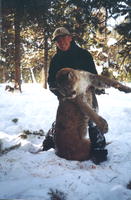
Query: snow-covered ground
28	176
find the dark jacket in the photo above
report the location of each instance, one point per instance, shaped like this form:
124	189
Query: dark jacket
75	57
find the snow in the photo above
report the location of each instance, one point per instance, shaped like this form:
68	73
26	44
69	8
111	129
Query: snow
28	176
111	41
112	22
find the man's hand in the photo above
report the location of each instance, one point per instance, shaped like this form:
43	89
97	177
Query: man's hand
56	92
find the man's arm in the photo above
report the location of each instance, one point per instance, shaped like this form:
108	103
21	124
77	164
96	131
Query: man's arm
89	63
52	79
92	69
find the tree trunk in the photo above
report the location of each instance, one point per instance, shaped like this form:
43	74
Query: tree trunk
0	30
32	76
45	59
17	19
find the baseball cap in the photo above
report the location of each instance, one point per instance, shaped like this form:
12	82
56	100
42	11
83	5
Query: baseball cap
61	31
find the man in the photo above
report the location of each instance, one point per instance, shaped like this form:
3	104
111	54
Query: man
70	55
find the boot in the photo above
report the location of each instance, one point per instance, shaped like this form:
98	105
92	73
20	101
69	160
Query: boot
49	143
98	143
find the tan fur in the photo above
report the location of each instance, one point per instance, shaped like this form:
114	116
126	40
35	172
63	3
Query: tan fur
71	127
75	110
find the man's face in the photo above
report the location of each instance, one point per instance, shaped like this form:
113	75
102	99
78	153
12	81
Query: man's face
63	42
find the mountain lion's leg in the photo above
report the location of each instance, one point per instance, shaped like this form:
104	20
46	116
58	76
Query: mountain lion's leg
99	81
87	110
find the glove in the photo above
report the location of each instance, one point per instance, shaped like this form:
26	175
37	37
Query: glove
99	91
56	92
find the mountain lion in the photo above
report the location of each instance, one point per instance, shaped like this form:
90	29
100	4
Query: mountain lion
75	110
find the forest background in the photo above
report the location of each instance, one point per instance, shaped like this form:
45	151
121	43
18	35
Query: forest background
26	26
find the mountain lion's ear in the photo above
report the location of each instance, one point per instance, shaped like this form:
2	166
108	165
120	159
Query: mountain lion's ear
70	75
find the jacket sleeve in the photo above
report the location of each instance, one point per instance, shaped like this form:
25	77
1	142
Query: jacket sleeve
90	65
51	77
92	68
52	74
